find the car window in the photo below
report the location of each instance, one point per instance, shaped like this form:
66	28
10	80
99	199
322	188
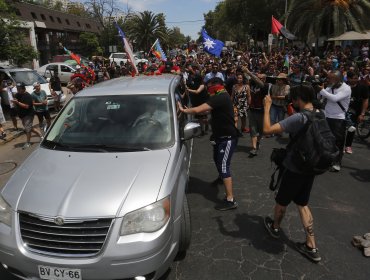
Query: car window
27	77
115	122
52	67
119	55
64	68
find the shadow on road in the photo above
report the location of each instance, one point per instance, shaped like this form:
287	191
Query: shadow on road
209	190
251	227
361	175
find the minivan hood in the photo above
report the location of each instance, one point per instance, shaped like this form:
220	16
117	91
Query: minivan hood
75	185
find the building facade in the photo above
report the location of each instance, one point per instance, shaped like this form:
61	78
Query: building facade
50	29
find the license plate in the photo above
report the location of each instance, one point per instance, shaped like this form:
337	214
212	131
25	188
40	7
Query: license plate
59	273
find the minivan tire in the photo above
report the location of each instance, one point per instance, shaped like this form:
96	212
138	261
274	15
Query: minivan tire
185	229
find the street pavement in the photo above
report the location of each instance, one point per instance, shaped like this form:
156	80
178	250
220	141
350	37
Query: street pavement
234	244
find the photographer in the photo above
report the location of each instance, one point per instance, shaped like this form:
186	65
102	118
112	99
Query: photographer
294	186
337	95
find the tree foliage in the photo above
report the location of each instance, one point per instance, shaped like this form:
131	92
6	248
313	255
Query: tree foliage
327	17
145	27
90	44
13	44
236	20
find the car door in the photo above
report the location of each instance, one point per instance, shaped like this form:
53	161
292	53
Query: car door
65	73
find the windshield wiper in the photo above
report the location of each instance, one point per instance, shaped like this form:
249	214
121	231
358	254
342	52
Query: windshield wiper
109	148
53	144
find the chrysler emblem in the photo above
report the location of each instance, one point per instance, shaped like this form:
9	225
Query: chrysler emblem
59	221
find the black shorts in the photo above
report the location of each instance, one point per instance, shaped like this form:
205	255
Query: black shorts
43	114
12	111
294	187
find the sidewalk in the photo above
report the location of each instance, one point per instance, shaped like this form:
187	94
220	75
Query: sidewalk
12	134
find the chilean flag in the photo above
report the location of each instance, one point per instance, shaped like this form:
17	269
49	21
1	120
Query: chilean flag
277	28
127	49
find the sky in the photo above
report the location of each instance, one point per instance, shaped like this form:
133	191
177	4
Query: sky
176	12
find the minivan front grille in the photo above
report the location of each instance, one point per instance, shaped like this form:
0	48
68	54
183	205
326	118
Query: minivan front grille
73	238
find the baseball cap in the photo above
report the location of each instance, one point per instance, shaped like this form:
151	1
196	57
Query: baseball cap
21	85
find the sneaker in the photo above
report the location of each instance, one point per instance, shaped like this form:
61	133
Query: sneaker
27	145
335	168
348	150
269	225
227	205
253	153
310	253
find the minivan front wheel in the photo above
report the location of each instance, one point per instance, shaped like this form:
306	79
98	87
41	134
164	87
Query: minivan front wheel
185	230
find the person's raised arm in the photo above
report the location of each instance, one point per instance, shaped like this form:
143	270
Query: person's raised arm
198	90
254	77
335	97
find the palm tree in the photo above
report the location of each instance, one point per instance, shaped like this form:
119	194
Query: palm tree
145	27
326	17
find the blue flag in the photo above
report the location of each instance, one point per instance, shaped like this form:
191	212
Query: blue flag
211	45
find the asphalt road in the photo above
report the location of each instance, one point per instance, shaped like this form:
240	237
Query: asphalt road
234	244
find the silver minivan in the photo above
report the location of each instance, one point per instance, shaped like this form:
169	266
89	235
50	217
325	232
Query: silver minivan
103	197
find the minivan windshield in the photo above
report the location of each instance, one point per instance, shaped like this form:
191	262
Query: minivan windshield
113	124
27	77
119	55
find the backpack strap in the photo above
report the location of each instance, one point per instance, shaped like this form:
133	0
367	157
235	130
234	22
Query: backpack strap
303	130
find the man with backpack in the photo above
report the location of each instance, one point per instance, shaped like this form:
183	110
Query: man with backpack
310	152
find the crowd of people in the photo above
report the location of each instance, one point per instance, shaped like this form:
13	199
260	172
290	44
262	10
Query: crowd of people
255	92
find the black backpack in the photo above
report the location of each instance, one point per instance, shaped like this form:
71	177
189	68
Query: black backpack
313	149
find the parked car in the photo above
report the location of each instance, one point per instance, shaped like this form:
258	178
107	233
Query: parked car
103	197
65	71
28	77
118	57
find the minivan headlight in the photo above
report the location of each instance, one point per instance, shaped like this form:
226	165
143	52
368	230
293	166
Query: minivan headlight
5	212
148	219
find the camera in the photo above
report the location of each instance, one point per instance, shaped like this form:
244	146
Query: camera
318	81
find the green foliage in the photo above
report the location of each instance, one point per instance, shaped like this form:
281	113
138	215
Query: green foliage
145	27
90	44
13	44
328	18
175	37
236	20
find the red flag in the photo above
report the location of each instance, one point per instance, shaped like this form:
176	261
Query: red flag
277	28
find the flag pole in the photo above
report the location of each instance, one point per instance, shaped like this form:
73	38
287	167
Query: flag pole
153	46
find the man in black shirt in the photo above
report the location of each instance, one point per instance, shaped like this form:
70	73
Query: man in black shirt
224	135
23	101
358	106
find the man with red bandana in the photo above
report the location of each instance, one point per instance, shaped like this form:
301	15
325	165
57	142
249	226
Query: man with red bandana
224	135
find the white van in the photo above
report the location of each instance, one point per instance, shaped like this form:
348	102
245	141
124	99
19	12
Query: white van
28	77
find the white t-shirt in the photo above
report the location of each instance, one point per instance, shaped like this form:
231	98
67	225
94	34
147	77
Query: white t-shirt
342	95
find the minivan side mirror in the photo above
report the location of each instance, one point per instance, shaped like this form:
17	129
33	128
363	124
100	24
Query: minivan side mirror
191	130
